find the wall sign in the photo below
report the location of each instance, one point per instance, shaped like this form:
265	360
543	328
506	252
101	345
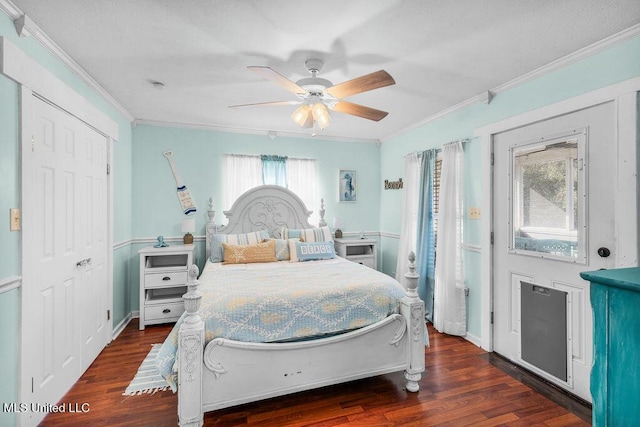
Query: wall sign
393	185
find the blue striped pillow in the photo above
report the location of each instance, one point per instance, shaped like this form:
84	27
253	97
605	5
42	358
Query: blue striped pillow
217	252
322	234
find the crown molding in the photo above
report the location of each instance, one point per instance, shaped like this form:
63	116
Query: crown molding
486	97
25	27
10	9
249	131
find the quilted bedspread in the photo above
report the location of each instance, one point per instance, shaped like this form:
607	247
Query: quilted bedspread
284	301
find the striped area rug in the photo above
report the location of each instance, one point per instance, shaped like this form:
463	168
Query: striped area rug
147	379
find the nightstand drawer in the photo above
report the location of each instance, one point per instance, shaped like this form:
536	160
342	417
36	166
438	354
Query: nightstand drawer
364	260
360	251
170	311
160	280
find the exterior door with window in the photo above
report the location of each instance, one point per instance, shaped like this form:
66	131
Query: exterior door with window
553	218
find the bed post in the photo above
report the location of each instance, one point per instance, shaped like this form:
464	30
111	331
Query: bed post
210	228
322	222
412	308
191	350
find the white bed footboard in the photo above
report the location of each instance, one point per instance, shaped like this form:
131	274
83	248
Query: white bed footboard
412	308
190	356
240	372
229	373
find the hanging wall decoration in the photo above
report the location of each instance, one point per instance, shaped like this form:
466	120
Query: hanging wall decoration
184	195
347	180
393	185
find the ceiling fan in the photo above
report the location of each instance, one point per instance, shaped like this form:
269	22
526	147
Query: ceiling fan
316	95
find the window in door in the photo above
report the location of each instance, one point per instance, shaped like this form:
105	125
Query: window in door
548	195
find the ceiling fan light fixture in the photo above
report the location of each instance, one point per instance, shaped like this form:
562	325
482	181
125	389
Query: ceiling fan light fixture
302	115
320	114
316	95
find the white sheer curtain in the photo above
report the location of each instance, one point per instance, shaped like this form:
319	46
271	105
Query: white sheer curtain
241	173
449	310
302	180
410	198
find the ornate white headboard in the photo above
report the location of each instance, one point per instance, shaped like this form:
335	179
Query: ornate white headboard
268	207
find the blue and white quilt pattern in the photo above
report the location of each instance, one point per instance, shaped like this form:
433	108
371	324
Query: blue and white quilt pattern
284	301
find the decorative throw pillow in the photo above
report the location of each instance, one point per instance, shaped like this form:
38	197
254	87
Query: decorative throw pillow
322	234
311	251
282	249
247	254
217	253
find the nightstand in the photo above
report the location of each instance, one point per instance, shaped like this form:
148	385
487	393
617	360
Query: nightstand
362	251
163	281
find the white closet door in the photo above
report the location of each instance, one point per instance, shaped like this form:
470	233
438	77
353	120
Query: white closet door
92	220
65	225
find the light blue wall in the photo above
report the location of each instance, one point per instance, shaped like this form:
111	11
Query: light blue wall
614	65
9	243
10	198
198	155
9	177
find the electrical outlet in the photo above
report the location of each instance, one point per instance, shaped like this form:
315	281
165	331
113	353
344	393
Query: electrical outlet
474	213
14	214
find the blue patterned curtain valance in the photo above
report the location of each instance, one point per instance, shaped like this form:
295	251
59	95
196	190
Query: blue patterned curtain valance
274	170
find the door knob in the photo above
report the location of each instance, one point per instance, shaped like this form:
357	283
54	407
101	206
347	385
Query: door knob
604	252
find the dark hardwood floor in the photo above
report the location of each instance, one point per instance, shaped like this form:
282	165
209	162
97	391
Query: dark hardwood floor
464	386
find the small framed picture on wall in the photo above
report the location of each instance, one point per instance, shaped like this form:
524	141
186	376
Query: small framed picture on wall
348	186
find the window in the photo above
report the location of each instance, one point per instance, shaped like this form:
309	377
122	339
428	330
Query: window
547	198
242	172
301	179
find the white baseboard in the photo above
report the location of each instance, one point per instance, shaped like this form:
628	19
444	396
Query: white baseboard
123	324
120	326
473	339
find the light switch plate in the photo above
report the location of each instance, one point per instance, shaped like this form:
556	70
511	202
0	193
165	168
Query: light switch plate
14	215
474	213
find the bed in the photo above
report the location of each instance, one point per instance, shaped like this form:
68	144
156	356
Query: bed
218	368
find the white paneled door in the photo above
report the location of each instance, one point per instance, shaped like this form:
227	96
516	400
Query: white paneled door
65	229
554	211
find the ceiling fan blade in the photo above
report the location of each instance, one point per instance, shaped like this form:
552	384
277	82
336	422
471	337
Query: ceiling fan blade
359	110
276	77
361	84
267	104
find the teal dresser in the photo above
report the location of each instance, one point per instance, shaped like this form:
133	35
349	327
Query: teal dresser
615	376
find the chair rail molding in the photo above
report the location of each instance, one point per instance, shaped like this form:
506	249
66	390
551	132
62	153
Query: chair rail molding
10	283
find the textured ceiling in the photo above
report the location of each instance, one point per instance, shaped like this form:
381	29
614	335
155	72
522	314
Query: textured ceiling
440	53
